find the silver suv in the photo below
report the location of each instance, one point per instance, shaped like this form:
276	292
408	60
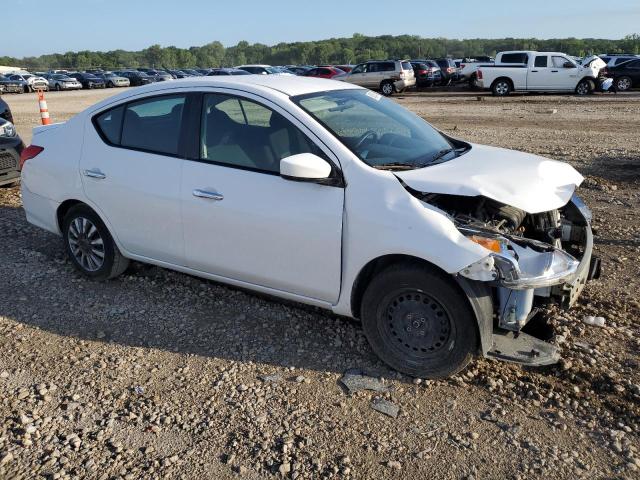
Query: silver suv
388	76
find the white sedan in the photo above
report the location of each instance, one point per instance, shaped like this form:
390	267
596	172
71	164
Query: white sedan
323	193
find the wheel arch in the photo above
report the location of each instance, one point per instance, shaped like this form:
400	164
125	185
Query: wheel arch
503	78
478	293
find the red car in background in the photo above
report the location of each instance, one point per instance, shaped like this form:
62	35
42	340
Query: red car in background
324	72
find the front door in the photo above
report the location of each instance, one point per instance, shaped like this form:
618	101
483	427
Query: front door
243	221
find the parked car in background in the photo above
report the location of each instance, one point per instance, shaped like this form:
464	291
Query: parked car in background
12	86
192	72
179	74
59	81
388	76
298	70
158	75
226	71
426	72
614	59
468	72
136	78
5	111
203	71
324	72
443	249
260	69
88	80
345	68
112	80
530	71
448	69
11	147
34	82
626	75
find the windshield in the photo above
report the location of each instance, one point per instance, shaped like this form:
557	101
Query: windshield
379	131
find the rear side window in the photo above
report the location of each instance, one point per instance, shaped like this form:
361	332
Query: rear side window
109	125
515	58
621	60
153	124
541	61
386	67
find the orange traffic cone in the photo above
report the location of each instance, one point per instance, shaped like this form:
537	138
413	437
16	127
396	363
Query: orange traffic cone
44	111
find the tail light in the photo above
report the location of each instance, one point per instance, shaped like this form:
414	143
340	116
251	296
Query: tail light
422	72
479	74
450	70
28	153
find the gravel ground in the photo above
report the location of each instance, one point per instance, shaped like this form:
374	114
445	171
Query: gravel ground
159	374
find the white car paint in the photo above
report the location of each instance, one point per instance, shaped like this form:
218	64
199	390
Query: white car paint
297	240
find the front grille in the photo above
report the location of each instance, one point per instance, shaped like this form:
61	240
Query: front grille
7	161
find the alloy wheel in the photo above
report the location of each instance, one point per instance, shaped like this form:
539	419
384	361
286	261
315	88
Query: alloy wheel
623	84
87	246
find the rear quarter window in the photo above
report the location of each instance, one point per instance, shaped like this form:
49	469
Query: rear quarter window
515	58
109	125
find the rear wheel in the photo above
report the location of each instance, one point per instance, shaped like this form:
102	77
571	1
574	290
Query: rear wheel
585	87
58	87
623	84
501	87
419	322
90	245
387	88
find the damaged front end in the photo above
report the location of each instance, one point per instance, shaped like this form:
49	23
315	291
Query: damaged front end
532	260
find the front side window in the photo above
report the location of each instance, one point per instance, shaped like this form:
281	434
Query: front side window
358	69
379	131
241	133
153	124
558	62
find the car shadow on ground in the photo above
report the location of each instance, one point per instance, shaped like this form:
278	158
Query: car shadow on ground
157	308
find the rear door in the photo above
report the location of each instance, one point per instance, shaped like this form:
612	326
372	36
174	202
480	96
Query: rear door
242	220
541	75
131	170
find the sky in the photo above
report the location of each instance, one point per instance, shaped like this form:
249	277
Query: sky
36	27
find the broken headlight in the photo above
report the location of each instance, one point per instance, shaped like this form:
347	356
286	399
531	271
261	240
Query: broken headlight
519	264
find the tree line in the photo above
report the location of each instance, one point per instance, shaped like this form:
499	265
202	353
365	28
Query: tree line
355	49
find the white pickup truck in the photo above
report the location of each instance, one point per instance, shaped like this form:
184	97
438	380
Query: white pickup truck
529	71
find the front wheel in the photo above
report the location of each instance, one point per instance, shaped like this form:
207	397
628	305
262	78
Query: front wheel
58	87
419	322
387	88
623	84
585	87
90	245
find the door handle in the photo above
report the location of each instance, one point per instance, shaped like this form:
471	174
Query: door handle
554	71
95	173
209	195
534	71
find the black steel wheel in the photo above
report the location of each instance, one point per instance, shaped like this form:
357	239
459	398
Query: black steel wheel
419	321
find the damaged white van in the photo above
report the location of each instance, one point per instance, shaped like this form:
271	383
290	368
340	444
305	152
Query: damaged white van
326	194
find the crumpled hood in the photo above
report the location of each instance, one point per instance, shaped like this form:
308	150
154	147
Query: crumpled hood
529	182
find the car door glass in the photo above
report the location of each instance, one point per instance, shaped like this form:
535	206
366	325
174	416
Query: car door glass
541	61
357	69
558	62
153	124
242	133
109	125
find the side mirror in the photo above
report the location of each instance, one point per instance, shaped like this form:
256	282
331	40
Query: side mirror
568	65
304	167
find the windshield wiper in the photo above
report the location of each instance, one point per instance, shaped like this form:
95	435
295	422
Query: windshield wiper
441	154
395	166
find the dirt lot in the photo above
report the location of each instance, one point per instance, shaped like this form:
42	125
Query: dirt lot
160	374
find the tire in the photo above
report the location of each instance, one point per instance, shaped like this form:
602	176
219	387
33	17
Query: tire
585	87
110	85
90	246
419	322
58	88
27	89
501	87
387	88
623	84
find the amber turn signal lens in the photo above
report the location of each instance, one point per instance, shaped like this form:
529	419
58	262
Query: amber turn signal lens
488	243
